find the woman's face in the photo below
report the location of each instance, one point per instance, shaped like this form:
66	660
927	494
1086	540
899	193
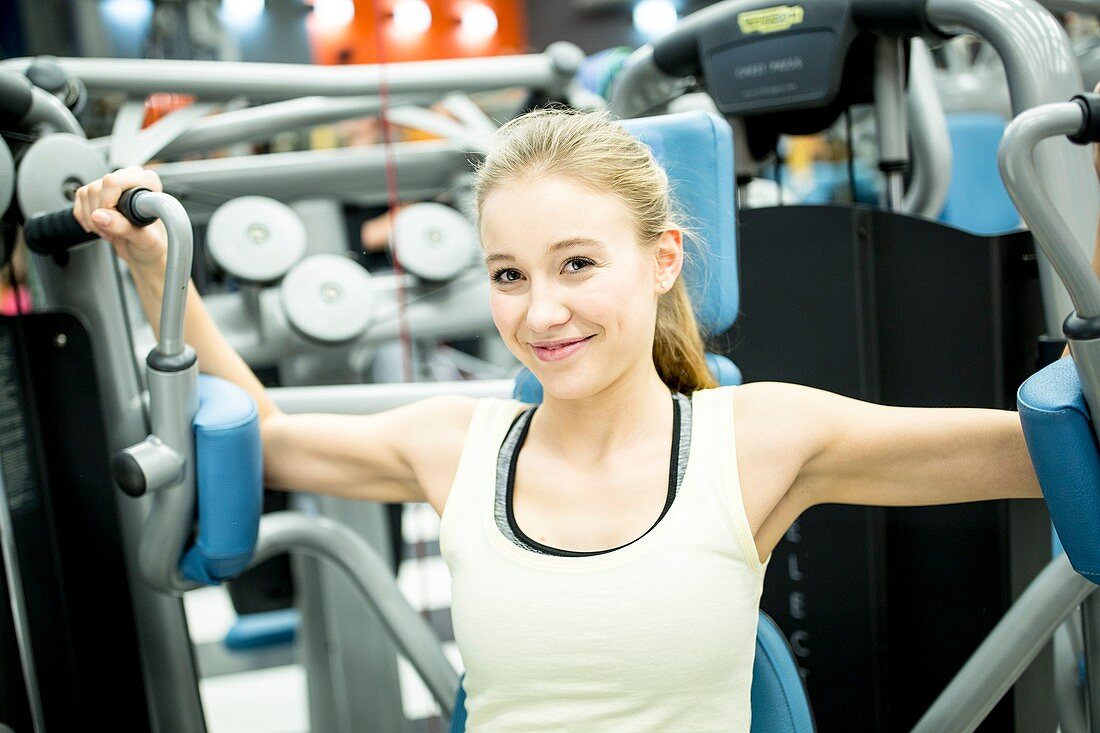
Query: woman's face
573	294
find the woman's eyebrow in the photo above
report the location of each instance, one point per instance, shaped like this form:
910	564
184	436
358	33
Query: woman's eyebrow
556	247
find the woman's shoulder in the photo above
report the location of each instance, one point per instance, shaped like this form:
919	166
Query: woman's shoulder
763	402
456	415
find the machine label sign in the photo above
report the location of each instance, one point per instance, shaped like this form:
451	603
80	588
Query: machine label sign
770	20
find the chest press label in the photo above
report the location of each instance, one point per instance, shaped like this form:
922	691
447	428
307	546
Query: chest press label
770	20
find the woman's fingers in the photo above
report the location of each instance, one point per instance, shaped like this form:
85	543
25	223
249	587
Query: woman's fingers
103	195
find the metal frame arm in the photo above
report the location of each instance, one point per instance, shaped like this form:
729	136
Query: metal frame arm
550	70
282	532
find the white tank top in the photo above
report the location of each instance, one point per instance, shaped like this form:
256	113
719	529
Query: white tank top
658	635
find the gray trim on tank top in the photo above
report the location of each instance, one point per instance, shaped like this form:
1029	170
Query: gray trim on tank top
508	449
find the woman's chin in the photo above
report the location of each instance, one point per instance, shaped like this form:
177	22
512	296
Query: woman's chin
566	386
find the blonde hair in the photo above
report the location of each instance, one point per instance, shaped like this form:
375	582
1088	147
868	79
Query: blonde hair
591	149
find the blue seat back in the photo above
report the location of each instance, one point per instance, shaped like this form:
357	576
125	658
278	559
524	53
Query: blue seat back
1063	450
977	201
696	150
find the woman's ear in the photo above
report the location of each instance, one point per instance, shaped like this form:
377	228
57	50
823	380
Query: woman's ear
670	258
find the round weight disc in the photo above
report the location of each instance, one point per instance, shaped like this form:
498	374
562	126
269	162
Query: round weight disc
7	177
255	238
51	171
327	298
433	241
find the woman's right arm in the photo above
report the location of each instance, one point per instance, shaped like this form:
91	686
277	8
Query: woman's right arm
380	457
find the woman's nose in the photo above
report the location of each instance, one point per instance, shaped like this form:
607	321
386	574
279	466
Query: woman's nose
546	309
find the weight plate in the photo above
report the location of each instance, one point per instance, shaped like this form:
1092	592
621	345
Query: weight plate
327	298
7	177
255	238
433	241
51	171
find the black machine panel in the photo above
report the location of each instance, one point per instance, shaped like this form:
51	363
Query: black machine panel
776	58
54	459
883	606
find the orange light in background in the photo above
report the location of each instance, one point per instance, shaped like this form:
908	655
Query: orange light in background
477	24
447	35
411	18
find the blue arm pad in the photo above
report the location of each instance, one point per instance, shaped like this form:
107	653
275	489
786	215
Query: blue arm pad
229	482
1063	450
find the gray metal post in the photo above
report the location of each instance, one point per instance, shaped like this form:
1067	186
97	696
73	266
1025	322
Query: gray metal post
931	145
1066	256
1064	248
282	532
1041	68
890	119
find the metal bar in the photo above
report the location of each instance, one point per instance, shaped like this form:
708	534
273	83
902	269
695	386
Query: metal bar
1008	650
180	252
282	532
142	146
893	135
366	399
550	70
931	144
173	398
350	174
1041	68
1019	168
1018	150
258	123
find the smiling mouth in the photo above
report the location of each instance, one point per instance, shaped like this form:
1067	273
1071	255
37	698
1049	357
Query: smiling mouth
562	345
562	351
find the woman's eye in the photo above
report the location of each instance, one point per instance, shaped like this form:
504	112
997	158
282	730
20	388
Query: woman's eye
578	263
505	276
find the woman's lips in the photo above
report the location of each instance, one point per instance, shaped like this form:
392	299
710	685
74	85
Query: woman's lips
560	352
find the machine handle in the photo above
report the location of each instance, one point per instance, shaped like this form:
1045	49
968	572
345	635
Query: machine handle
58	231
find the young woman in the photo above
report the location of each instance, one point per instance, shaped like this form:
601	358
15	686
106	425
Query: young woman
607	548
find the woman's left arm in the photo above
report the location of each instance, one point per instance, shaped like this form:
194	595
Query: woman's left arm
877	455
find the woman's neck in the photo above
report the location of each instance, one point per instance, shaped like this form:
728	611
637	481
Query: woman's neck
627	411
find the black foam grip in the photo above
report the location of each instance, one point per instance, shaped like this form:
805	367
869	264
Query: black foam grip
1090	125
56	232
895	18
126	206
15	97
